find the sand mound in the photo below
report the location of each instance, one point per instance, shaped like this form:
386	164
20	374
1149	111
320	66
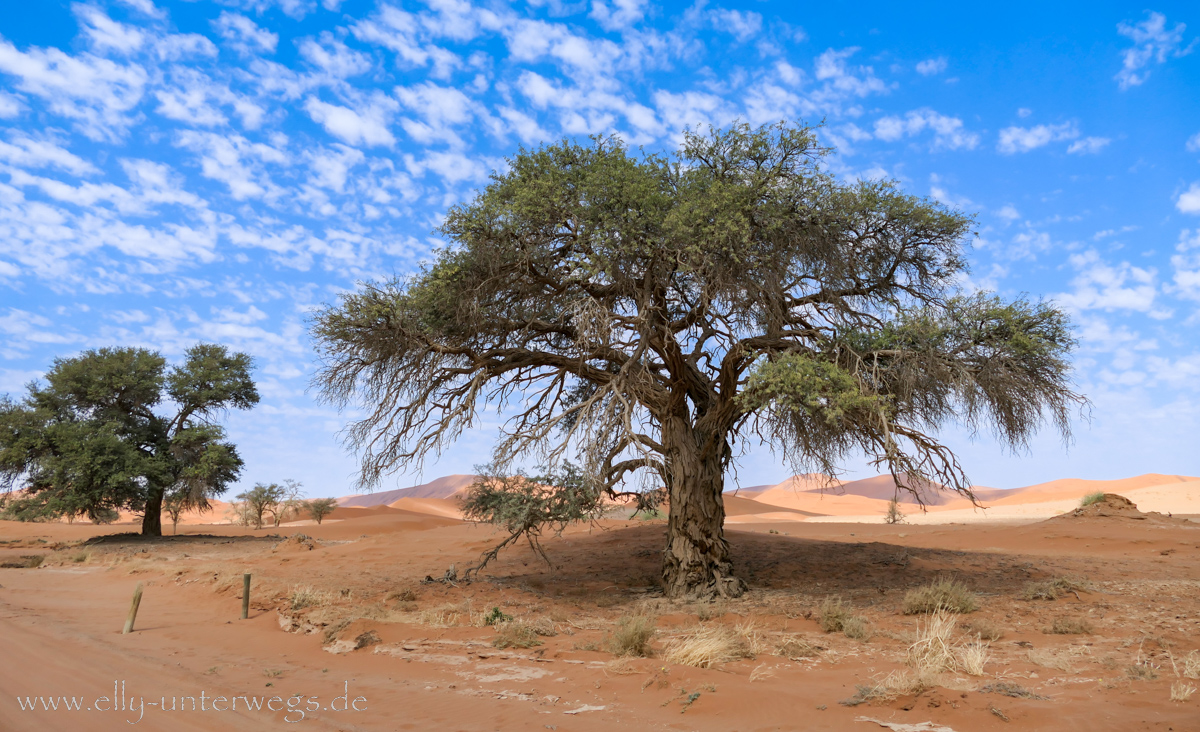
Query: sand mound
295	543
1114	506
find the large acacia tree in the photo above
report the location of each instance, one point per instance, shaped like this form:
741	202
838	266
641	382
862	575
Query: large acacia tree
647	312
115	428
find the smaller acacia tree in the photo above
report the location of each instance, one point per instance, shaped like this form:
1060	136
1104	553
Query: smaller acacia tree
116	428
319	508
174	506
259	500
894	515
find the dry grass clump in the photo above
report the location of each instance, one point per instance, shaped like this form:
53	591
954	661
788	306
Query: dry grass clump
835	616
984	628
943	593
710	611
1091	498
516	635
1007	688
972	656
1069	626
632	636
1141	671
447	616
895	684
1191	665
932	651
796	647
1053	589
710	645
1181	691
303	596
1061	659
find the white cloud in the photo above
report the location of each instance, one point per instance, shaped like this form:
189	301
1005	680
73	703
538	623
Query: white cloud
742	25
96	93
1189	200
948	131
25	152
1101	286
619	15
334	57
106	34
1186	264
1024	112
1022	139
1193	143
1153	43
932	66
1088	145
9	106
233	160
145	7
243	35
367	125
177	46
1009	213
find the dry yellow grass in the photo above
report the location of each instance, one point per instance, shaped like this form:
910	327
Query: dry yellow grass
709	645
932	652
632	636
1181	691
944	593
972	656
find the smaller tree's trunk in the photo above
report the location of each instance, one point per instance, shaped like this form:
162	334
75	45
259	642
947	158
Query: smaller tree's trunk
152	520
696	562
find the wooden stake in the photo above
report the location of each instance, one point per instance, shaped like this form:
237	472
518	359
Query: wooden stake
133	608
245	596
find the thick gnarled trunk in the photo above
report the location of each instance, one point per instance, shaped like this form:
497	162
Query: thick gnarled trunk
152	520
696	563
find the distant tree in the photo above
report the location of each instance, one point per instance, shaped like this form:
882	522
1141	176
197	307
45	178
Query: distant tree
173	506
319	508
646	313
116	428
894	515
290	504
259	500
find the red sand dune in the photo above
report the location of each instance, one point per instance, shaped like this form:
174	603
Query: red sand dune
444	487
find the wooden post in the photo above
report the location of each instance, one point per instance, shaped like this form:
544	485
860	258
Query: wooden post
245	596
133	608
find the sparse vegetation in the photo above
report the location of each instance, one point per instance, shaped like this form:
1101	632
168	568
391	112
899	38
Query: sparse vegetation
932	651
1191	665
1141	671
303	596
1091	498
796	647
1052	589
973	656
835	616
944	593
496	617
516	635
1008	688
709	645
894	515
985	628
632	636
1181	691
1069	626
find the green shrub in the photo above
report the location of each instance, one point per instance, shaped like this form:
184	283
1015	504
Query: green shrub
496	617
1091	498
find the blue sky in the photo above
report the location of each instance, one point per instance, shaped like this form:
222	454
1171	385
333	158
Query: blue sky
187	171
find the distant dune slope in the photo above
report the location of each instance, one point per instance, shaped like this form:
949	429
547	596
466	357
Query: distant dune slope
444	487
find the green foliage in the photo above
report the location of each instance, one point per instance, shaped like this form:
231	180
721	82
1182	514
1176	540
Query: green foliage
1091	498
524	505
638	312
116	428
261	499
496	616
319	508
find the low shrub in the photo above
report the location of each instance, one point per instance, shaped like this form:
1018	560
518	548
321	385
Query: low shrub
632	636
943	593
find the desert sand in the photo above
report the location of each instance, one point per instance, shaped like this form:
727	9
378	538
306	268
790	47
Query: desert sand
348	608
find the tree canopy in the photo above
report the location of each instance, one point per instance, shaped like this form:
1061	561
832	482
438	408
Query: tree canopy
115	428
642	313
